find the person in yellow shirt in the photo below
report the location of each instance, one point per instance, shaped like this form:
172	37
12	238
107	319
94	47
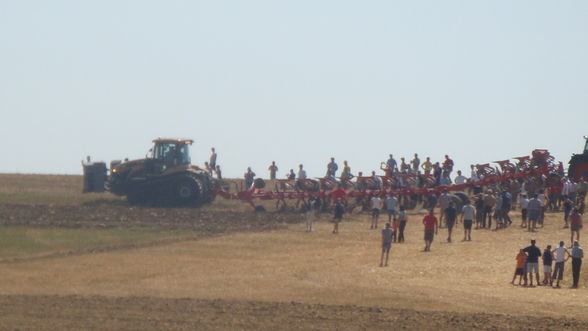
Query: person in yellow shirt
427	166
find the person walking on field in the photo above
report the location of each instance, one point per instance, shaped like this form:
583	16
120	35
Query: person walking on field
575	224
451	214
520	269
273	169
338	215
468	214
547	262
376	207
402	220
561	256
577	255
489	203
386	244
533	255
431	228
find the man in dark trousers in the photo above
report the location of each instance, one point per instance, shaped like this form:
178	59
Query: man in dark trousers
533	255
577	255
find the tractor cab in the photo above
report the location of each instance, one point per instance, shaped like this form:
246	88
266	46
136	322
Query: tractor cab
586	145
579	164
168	153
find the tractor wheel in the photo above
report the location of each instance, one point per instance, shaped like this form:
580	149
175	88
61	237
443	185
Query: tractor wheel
187	191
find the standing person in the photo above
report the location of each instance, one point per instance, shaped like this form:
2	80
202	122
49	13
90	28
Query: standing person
402	219
212	162
577	255
547	262
443	204
451	214
431	229
533	255
479	203
448	165
404	167
376	206
386	244
346	174
506	207
524	202
416	162
575	224
391	204
437	171
468	213
520	269
338	215
427	166
219	173
541	197
273	169
310	208
291	175
498	211
392	165
561	256
332	168
533	211
249	177
489	203
567	207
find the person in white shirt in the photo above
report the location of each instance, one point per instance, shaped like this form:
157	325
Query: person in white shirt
468	214
460	179
541	197
301	173
561	256
376	206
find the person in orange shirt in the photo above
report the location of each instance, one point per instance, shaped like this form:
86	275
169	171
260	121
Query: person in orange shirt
520	270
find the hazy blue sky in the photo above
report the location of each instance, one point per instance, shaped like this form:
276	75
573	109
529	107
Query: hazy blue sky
291	81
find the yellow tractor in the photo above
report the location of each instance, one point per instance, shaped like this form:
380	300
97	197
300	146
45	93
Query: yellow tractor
165	177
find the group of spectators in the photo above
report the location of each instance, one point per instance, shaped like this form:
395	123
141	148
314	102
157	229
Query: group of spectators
527	264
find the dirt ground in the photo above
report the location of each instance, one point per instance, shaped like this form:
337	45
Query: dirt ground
263	271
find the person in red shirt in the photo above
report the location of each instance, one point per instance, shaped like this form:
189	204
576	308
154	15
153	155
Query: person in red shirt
431	228
447	165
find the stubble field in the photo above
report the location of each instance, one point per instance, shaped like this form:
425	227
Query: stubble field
226	267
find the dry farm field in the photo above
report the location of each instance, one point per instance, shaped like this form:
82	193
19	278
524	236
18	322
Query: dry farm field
73	261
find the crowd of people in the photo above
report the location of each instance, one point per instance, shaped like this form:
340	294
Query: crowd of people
484	205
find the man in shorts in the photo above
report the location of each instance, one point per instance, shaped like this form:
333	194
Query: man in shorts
468	213
386	244
376	207
520	269
547	262
561	256
431	228
533	255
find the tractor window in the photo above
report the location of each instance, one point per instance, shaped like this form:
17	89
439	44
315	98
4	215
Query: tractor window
172	153
586	147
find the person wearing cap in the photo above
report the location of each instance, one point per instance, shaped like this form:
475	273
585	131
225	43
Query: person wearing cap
577	255
533	255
